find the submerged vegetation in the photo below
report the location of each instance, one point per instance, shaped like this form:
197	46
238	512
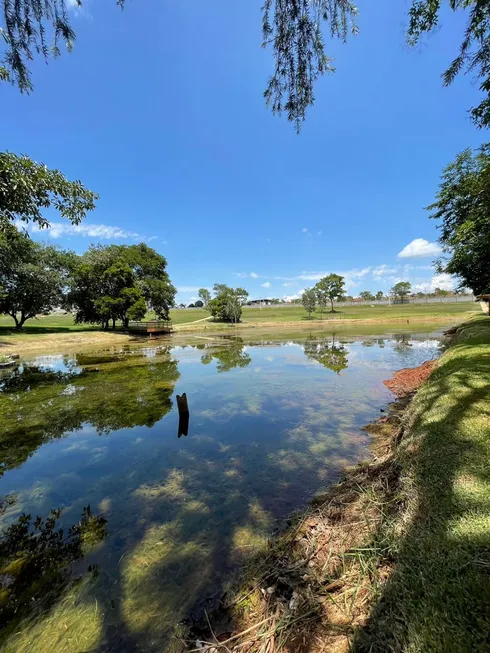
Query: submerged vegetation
108	392
35	563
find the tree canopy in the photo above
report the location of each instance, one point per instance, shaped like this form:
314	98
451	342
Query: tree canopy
308	299
401	289
295	29
27	187
32	277
120	282
333	286
463	208
227	303
204	295
367	296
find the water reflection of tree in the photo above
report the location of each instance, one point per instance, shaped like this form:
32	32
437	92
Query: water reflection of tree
402	343
36	406
227	356
35	563
330	354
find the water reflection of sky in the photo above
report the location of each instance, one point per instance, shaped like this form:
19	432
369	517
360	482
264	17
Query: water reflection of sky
269	423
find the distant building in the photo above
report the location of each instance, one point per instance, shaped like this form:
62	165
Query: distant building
260	302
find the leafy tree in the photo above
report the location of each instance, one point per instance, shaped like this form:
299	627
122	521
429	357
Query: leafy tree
321	298
227	303
474	52
32	277
367	296
120	282
379	294
463	208
122	299
401	289
295	30
205	295
333	286
308	299
27	187
199	304
440	292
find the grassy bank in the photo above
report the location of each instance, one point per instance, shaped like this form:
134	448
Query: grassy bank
397	556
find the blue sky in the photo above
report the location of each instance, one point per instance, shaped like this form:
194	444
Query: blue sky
159	109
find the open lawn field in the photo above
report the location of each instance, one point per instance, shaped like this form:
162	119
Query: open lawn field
362	312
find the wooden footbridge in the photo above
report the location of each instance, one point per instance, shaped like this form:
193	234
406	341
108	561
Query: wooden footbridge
151	328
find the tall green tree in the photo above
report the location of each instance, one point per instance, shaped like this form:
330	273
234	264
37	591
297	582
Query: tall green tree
367	296
462	207
380	294
120	282
308	299
226	305
401	289
27	187
321	299
205	295
333	285
295	29
33	277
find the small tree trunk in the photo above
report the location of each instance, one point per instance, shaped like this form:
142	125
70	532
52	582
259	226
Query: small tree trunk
14	316
331	304
113	322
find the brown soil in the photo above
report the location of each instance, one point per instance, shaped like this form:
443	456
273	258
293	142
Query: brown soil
409	379
28	343
310	591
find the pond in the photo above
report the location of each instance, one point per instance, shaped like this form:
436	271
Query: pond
140	525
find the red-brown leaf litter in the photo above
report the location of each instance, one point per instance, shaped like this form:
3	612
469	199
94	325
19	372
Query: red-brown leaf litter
409	379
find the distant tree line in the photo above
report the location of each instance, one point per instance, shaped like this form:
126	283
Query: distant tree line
105	285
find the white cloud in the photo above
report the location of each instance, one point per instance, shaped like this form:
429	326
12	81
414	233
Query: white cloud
254	275
267	284
188	289
444	281
290	298
100	231
289	284
380	270
351	277
304	230
244	275
420	248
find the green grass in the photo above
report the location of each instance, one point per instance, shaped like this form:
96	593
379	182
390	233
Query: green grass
438	596
55	323
182	316
363	312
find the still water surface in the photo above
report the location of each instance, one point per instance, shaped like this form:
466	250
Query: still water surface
270	422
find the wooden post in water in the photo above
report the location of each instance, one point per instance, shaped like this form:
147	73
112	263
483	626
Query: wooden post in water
183	414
